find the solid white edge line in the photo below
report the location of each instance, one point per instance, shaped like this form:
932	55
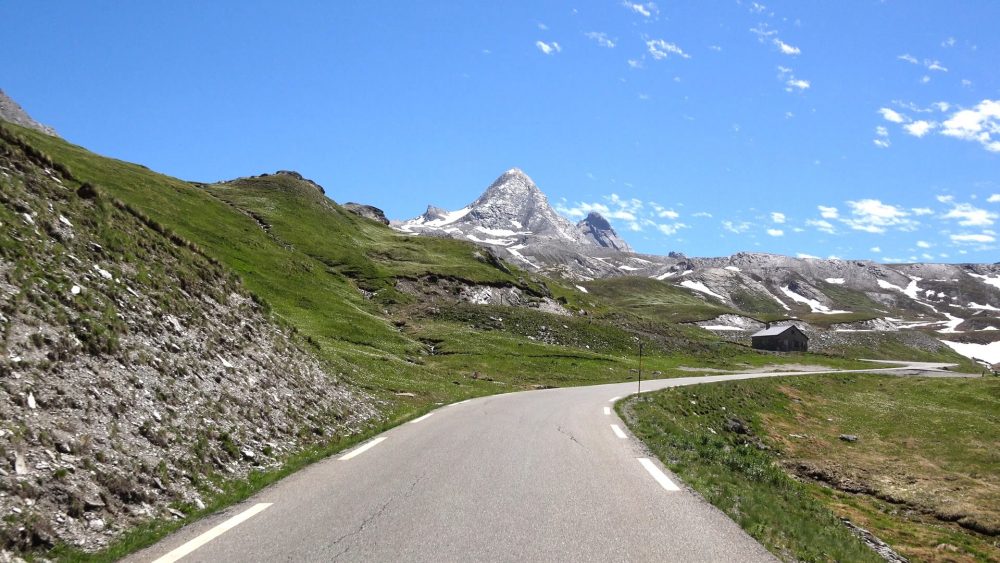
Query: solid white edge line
618	431
613	399
607	410
210	535
361	450
657	474
425	417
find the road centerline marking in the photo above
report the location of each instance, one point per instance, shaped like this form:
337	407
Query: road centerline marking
210	535
657	474
607	410
617	430
425	417
361	450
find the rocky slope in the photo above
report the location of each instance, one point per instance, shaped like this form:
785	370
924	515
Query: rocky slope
133	367
599	231
11	111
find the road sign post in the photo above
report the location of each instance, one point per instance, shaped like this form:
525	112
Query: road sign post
640	367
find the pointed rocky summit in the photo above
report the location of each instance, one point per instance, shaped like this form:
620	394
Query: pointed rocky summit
598	230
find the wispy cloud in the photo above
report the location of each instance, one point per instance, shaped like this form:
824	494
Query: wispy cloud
634	63
822	225
548	48
660	49
737	228
600	38
786	48
776	232
974	238
670	229
908	58
763	32
828	212
797	84
645	10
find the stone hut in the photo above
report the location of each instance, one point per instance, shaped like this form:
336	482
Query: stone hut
780	339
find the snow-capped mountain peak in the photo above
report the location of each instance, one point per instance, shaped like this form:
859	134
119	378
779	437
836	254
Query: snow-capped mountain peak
599	231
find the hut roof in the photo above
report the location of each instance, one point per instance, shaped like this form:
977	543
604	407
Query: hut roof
775	330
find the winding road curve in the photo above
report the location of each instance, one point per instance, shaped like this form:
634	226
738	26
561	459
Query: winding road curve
547	475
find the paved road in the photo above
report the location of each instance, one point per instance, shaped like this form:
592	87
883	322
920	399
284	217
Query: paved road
533	476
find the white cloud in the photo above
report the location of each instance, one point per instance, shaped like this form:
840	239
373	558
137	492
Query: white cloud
548	48
995	198
786	48
876	249
881	131
797	83
980	124
821	225
601	38
908	58
668	214
660	49
671	228
882	143
542	26
925	79
923	244
891	115
966	82
873	216
970	216
941	106
737	228
776	232
828	212
633	63
934	65
777	217
949	42
645	10
702	214
918	211
919	128
982	238
945	198
757	7
803	255
715	48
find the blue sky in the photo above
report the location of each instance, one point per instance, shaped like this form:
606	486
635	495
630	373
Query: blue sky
852	129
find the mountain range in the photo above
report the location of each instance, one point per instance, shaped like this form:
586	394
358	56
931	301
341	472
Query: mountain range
513	218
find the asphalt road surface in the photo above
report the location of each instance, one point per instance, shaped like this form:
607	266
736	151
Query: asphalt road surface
547	475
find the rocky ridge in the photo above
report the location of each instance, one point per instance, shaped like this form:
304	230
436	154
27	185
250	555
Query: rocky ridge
11	111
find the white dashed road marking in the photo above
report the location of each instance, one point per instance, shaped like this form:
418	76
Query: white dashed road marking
660	477
618	431
212	534
361	450
425	417
607	410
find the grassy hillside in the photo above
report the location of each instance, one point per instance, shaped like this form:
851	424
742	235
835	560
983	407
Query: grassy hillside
922	475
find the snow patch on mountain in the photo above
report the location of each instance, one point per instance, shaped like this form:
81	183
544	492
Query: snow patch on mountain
814	305
989	353
701	287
